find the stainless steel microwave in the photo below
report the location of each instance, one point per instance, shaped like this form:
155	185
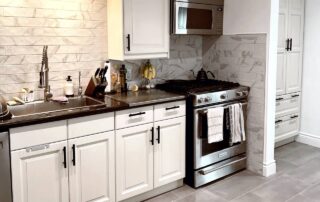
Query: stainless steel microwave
201	17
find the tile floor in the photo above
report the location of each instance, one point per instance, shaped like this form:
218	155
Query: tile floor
297	180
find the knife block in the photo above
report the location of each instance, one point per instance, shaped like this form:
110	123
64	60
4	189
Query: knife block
96	88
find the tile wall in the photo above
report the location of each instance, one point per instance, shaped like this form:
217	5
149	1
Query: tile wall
242	59
75	31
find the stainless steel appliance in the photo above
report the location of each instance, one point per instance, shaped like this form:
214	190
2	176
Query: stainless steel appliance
203	17
208	162
5	169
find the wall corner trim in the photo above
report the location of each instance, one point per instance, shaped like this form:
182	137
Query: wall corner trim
269	169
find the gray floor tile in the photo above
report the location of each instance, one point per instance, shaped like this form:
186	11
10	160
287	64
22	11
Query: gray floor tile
249	197
312	192
284	167
183	191
299	198
202	196
280	189
237	185
167	197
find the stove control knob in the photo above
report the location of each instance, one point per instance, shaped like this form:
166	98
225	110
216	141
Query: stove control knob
223	96
240	94
200	100
208	99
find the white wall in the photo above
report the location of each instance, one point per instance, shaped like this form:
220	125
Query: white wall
246	16
310	118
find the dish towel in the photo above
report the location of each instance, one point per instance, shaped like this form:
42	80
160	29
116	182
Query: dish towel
237	130
215	124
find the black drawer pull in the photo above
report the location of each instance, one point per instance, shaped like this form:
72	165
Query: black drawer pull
152	136
74	155
171	108
158	139
64	157
295	96
279	121
287	45
137	114
129	42
290	46
295	116
278	99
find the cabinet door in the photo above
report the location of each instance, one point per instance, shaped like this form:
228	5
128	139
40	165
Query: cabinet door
92	168
293	72
146	23
169	154
283	26
134	161
39	173
281	73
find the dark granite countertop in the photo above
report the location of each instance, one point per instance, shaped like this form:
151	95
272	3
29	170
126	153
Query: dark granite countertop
113	103
146	97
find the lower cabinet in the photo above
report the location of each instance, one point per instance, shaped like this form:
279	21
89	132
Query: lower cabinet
78	170
91	168
169	151
134	161
149	156
40	173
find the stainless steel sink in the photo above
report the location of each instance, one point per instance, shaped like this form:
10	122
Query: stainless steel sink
47	108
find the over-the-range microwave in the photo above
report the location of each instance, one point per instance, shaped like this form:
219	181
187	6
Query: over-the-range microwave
201	17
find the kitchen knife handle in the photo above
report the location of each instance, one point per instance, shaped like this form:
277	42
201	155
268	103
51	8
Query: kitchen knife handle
129	42
97	72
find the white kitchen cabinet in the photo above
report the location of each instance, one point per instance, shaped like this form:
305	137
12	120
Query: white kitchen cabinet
92	168
134	161
169	151
290	46
138	29
40	173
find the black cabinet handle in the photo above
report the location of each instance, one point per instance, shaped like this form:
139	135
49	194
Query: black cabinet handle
295	116
279	121
287	44
137	114
74	155
152	136
129	41
64	157
158	135
290	46
278	99
293	96
171	108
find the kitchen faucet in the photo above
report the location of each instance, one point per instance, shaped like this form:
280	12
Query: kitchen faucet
44	75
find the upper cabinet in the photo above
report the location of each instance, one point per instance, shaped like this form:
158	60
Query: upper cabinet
138	29
290	46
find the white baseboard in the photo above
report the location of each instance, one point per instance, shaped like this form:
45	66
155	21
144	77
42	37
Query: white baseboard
309	139
269	169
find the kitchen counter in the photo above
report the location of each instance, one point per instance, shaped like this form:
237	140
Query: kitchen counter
146	97
113	103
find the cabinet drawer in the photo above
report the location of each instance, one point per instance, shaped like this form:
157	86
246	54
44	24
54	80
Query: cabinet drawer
287	104
287	126
38	134
132	117
89	125
169	110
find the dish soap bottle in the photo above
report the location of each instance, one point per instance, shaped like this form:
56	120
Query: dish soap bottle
68	87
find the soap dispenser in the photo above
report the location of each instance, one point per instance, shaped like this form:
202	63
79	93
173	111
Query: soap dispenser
68	87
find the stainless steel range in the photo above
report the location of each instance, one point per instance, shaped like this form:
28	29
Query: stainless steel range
208	162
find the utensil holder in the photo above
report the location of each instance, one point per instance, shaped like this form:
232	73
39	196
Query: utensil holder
96	88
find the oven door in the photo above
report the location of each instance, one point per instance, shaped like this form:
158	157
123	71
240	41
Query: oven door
207	154
192	18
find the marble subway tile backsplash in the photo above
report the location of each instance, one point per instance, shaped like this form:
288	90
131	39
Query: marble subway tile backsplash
75	31
242	59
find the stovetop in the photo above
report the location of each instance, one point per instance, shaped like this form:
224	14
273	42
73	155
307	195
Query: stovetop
207	92
193	86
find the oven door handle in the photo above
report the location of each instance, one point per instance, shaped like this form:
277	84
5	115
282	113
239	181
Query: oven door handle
206	172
